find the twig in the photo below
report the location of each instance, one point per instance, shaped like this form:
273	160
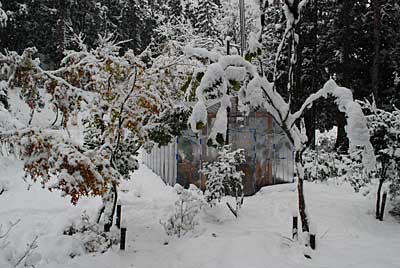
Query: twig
12	225
32	246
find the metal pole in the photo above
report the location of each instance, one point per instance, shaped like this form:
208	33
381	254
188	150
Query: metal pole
242	28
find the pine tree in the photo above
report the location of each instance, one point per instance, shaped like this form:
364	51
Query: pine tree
206	14
190	13
136	23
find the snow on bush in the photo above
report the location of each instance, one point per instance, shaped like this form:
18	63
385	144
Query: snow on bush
91	235
185	215
384	127
224	177
325	164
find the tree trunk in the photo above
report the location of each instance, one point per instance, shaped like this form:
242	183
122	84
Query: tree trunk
378	199
342	142
60	31
55	120
300	190
108	208
31	117
377	43
309	120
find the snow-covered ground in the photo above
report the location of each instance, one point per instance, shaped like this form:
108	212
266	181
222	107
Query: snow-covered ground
348	235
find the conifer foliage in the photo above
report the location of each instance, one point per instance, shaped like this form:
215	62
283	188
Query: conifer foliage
206	13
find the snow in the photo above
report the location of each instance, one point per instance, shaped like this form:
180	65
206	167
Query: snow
348	233
254	45
201	53
199	114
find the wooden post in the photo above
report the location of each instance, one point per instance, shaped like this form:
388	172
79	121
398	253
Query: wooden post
383	206
312	241
118	217
123	238
295	228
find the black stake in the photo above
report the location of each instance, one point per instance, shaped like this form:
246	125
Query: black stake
312	241
107	227
123	238
118	217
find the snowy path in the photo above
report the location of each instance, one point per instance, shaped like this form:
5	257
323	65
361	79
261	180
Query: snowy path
348	235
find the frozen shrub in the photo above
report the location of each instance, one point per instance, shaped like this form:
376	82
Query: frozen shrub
92	235
224	177
186	209
324	165
320	165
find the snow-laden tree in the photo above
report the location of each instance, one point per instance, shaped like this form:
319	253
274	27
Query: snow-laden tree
206	14
384	128
125	108
224	177
257	92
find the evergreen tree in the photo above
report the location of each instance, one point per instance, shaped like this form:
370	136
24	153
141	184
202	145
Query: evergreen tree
206	15
190	13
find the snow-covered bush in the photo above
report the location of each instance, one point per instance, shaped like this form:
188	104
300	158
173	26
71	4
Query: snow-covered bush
326	165
320	165
224	176
92	235
384	127
186	210
354	170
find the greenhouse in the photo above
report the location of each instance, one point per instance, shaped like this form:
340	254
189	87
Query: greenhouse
269	154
